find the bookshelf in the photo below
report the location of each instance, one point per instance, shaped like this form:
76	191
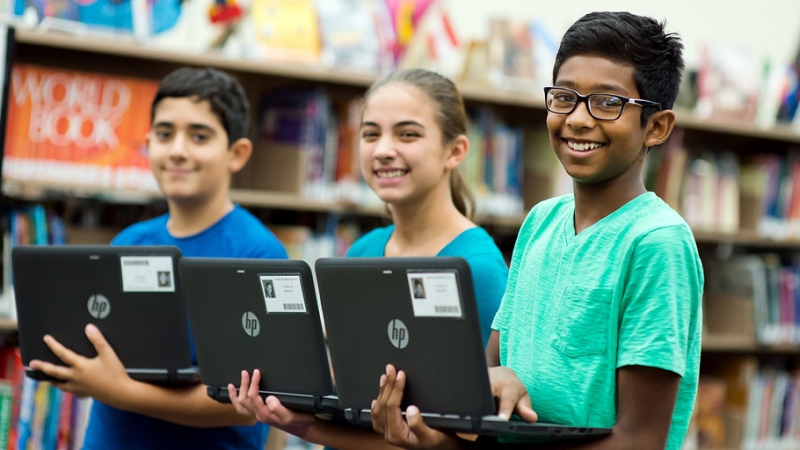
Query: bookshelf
122	56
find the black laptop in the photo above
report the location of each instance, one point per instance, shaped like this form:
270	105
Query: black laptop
248	314
133	294
418	314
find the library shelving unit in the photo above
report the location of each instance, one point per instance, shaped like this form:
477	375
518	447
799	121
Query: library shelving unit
129	58
123	56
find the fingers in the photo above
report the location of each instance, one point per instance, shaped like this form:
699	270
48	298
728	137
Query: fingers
507	402
60	372
376	412
69	357
98	340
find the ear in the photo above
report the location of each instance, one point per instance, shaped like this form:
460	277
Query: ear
240	152
458	151
659	127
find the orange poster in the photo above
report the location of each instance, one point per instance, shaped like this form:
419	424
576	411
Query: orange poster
78	128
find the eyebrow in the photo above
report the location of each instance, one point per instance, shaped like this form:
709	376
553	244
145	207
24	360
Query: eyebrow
397	125
192	126
598	88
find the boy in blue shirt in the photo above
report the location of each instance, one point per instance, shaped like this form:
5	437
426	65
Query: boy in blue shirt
601	321
198	138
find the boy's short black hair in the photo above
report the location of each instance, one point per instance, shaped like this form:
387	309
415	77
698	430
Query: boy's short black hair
641	42
222	91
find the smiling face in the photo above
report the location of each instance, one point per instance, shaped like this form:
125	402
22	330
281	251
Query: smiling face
402	155
591	150
188	150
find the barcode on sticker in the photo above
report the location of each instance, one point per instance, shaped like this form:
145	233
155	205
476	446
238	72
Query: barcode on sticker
447	309
294	306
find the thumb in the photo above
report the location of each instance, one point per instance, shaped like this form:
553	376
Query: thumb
525	410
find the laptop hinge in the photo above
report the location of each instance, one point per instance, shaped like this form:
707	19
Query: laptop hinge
476	423
318	403
353	415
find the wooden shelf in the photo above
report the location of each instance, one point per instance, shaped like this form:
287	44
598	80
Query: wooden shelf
7	325
743	238
127	47
736	344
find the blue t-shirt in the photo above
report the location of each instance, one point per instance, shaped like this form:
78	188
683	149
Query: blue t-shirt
489	270
237	235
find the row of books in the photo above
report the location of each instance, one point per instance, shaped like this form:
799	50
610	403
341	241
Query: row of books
308	145
31	225
754	297
721	191
34	414
735	85
748	406
365	35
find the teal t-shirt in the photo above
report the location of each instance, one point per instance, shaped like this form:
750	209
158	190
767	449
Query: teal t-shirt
625	291
489	270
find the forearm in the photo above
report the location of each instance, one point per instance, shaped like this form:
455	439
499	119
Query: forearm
185	405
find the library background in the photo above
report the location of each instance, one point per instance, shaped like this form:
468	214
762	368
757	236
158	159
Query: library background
79	76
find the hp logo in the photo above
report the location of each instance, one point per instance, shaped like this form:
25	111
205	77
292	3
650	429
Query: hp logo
398	333
99	306
250	324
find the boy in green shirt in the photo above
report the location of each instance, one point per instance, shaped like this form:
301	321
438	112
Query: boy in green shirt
601	321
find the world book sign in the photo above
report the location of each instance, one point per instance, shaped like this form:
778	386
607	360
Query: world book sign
78	128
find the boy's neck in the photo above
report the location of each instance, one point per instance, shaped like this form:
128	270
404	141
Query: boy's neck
188	218
595	201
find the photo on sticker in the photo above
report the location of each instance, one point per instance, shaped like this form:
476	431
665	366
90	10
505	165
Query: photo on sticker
164	279
269	288
419	288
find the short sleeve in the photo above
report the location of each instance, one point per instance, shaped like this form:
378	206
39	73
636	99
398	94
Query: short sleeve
661	304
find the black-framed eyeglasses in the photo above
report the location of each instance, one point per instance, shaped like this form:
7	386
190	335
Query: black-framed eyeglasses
560	100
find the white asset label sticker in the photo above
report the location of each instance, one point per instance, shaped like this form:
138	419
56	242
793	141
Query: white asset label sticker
283	293
434	294
147	274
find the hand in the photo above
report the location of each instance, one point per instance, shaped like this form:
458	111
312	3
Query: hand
511	394
101	377
270	411
411	433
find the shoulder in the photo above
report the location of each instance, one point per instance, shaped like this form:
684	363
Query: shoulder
653	221
146	232
253	238
372	243
480	251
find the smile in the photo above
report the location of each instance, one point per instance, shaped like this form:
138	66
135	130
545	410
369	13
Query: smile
390	173
583	146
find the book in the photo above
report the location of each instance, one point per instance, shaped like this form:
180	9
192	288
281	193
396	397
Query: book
78	129
285	30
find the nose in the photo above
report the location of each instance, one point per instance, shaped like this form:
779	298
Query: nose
178	146
385	149
580	117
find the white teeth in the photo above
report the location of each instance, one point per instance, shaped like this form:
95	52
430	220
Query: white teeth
390	174
582	147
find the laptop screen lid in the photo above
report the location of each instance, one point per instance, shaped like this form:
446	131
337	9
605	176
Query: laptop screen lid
248	314
132	293
408	312
418	314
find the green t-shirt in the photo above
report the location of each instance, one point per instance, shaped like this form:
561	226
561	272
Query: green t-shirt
625	291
